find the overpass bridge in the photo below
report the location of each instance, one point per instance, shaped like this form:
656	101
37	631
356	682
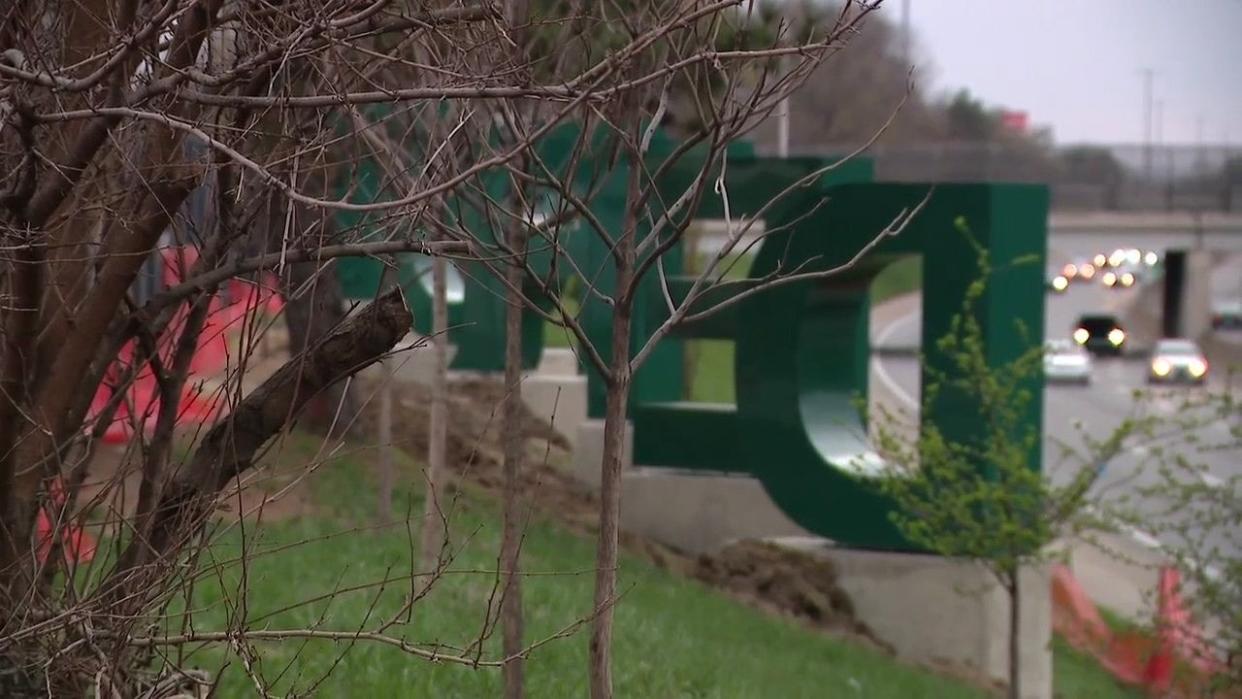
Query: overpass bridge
1081	232
1189	242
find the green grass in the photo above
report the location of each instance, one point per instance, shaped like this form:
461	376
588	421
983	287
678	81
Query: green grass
556	336
710	362
674	637
711	371
901	277
1077	675
1119	623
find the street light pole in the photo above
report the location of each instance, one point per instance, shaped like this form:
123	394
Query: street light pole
1200	151
1147	121
1159	119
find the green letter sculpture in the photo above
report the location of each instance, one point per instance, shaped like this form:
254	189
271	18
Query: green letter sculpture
802	349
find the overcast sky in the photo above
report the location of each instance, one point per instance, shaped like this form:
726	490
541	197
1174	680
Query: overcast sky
1076	65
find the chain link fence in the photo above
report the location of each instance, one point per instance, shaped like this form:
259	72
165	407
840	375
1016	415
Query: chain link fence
1110	177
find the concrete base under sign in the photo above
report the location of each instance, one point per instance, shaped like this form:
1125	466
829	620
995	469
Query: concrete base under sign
947	613
931	610
413	361
693	511
556	393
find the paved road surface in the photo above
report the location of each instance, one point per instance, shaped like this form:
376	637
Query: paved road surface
1072	411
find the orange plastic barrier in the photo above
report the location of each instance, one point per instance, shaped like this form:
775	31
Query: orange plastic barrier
235	303
1141	659
77	546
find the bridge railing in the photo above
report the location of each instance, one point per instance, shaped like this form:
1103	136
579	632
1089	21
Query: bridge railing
1107	177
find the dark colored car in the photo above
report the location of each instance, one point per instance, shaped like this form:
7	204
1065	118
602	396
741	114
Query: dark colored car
1100	334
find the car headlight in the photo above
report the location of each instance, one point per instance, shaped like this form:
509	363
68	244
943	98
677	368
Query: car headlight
1109	279
1070	270
1151	258
1086	271
1081	336
1060	283
1133	255
1100	260
1161	367
1116	336
1127	279
1117	258
1197	368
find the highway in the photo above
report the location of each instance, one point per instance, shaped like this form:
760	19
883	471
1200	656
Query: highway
1071	411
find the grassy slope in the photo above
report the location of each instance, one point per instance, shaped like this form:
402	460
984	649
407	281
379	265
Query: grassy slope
675	638
1079	675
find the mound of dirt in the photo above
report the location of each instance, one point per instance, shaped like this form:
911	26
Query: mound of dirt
764	575
782	580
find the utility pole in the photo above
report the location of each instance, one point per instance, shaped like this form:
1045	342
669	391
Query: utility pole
1158	142
1159	119
905	33
1147	121
1200	151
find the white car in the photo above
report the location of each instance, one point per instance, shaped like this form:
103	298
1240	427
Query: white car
1177	360
1065	361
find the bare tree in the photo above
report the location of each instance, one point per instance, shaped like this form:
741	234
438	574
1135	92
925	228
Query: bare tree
433	540
100	100
652	221
517	15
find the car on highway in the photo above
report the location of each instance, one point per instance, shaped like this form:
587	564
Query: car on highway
1082	269
1227	315
1100	333
1124	276
1066	362
1177	360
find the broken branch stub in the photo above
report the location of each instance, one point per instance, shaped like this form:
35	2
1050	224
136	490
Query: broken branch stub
229	448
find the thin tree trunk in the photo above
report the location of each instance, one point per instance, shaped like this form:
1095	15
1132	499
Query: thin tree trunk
516	16
313	307
610	509
432	539
610	468
387	477
1015	636
514	445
